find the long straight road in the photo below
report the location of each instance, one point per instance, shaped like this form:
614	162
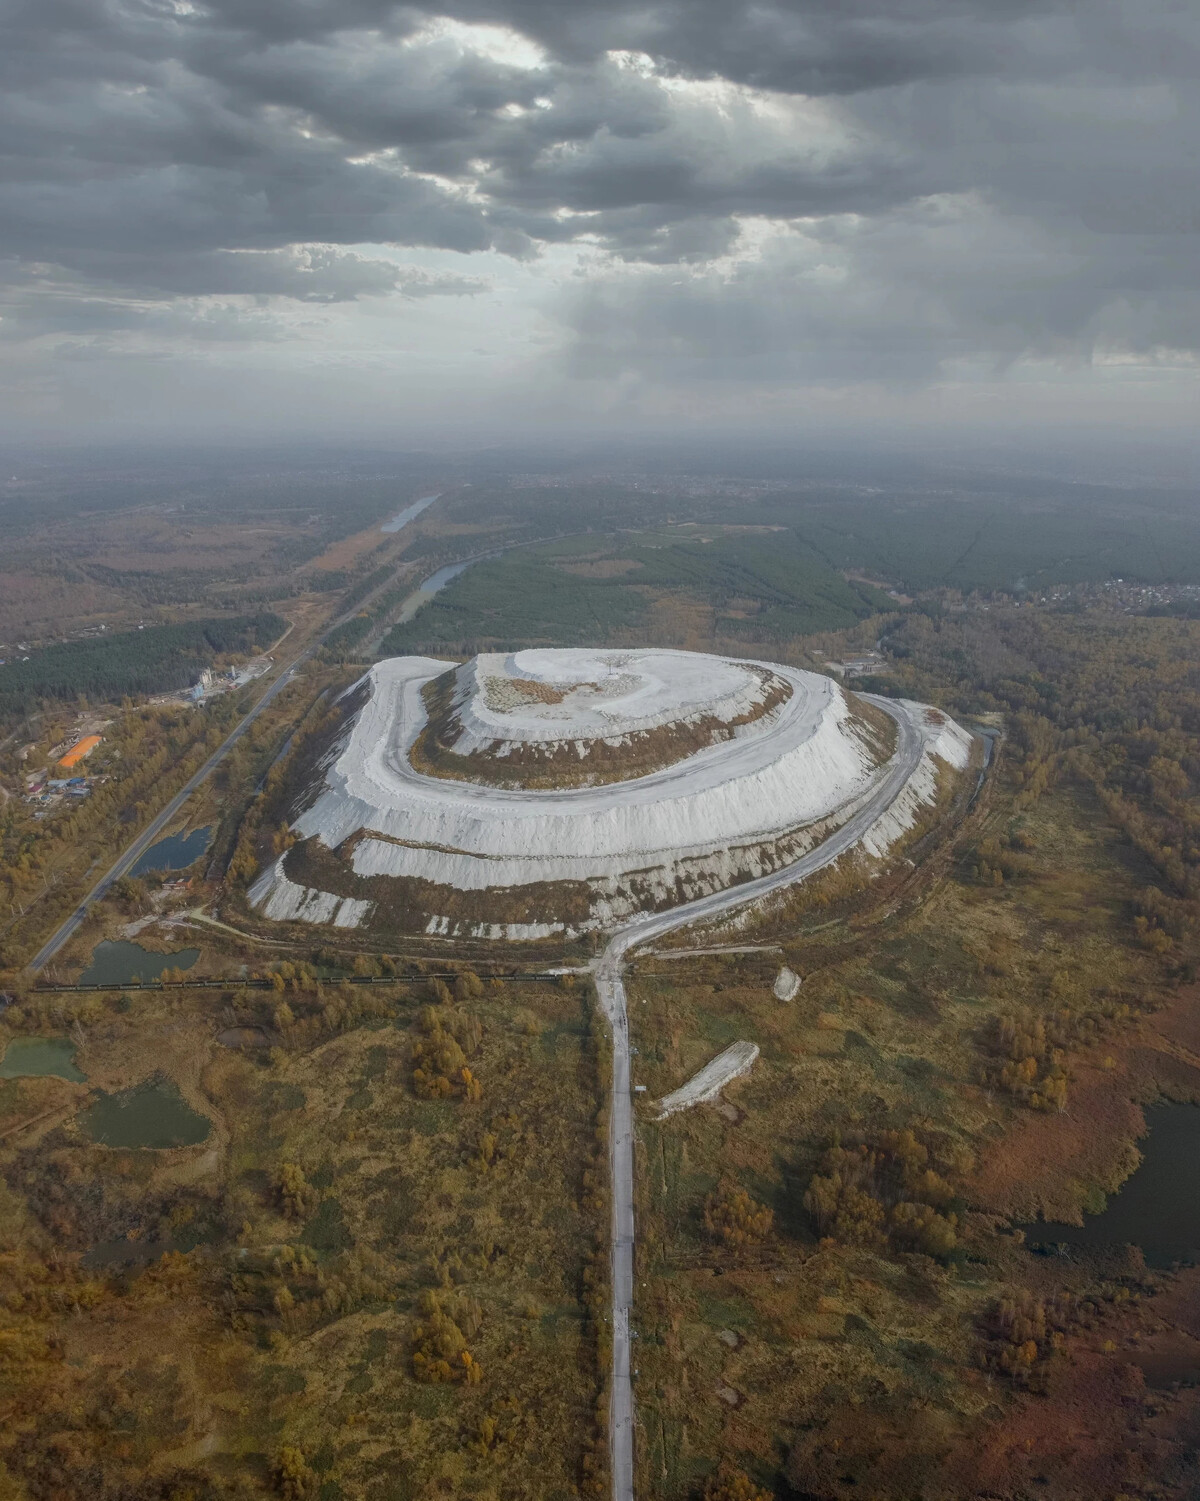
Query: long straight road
610	989
127	859
133	852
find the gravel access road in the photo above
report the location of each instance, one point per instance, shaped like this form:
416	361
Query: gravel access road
610	988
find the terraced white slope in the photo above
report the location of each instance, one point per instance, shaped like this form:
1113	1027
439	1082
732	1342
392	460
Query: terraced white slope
796	763
598	695
803	764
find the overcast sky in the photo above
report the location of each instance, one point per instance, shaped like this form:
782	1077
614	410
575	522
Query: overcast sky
347	216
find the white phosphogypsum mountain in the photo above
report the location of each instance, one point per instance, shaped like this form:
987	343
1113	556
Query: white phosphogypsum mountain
551	790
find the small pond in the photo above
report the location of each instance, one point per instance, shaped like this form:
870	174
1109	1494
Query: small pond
41	1058
1158	1206
123	1252
246	1037
175	852
119	962
153	1114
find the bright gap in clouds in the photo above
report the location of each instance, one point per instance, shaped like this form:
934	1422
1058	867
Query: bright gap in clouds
497	44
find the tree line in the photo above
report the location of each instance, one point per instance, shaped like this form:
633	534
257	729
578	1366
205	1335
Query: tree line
156	659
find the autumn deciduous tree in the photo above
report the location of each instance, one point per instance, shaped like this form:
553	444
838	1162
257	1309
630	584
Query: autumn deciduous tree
468	987
439	1054
736	1219
883	1193
1021	1334
297	1196
440	1353
294	1480
731	1484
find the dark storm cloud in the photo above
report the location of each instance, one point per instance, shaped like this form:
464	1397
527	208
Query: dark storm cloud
814	47
945	181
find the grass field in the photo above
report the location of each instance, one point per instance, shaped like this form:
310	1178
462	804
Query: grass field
337	1220
811	1355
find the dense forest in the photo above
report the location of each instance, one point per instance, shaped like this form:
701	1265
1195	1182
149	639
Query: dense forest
1017	544
594	589
964	531
1112	699
154	660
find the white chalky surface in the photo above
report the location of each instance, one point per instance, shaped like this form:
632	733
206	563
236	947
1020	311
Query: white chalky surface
787	985
706	822
284	900
736	1060
789	769
607	695
944	741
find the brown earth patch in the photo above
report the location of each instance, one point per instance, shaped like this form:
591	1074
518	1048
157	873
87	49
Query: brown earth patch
854	577
34	606
1038	1168
680	619
1046	1162
530	689
555	764
164	545
348	550
1081	1439
1178	1305
1096	1433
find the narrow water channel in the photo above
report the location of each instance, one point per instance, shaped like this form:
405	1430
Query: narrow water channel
431	586
410	513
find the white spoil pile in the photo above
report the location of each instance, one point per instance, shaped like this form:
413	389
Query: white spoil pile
780	781
283	900
945	742
736	1060
787	985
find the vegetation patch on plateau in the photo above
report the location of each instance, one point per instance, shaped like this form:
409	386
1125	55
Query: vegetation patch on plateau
570	763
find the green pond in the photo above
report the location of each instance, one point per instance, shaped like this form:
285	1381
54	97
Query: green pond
41	1058
120	962
153	1114
175	852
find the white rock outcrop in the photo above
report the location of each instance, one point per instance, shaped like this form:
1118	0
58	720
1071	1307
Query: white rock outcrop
284	900
569	696
945	742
